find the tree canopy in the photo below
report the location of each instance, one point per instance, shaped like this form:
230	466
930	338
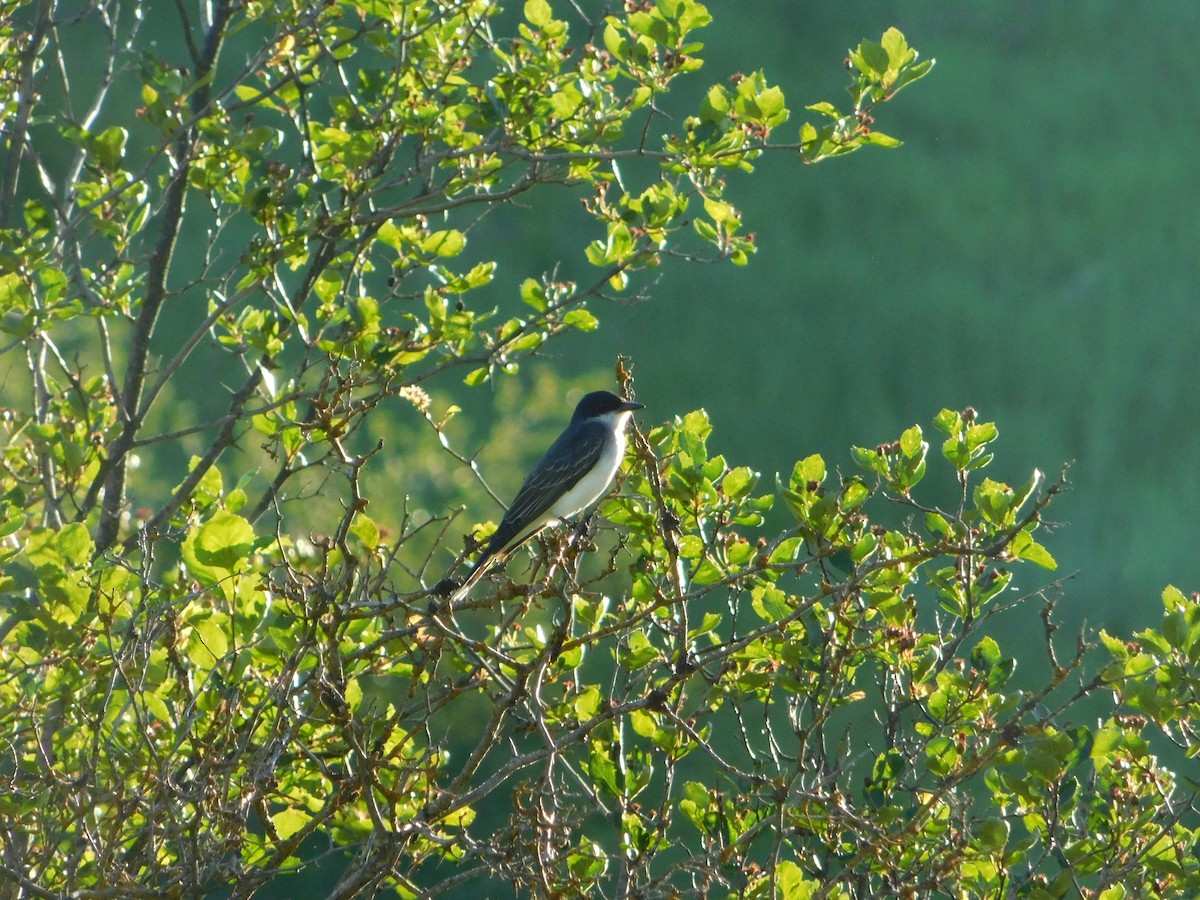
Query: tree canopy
235	245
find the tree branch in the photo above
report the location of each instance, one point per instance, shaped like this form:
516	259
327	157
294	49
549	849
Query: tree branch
14	146
112	474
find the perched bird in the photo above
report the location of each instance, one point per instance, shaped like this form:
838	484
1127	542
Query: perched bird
575	472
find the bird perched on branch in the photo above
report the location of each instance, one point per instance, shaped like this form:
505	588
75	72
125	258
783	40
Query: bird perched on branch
576	471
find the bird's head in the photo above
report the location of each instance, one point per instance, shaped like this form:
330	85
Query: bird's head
602	405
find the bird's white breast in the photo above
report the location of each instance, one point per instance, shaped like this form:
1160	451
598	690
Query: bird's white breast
592	486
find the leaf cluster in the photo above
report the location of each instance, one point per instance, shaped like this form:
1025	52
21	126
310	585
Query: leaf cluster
694	730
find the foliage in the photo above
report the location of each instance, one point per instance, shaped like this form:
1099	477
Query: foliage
201	694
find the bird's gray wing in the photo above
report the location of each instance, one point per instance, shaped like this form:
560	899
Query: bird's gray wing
570	458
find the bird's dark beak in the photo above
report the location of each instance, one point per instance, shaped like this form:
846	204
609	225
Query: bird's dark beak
630	406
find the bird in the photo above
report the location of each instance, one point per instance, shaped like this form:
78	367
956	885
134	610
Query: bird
576	471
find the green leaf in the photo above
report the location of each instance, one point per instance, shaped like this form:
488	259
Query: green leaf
697	804
643	723
910	441
721	212
791	883
691	546
534	294
1025	547
704	229
390	235
806	472
870	58
697	424
216	549
911	73
738	482
980	434
870	459
602	769
40	223
61	550
992	835
895	45
825	108
109	147
707	572
855	493
863	548
1174	600
771	103
1081	747
936	524
986	654
538	13
211	643
888	767
444	243
879	139
994	500
367	532
581	319
56	560
614	41
637	652
15	293
353	695
287	822
941	755
948	422
588	704
715	105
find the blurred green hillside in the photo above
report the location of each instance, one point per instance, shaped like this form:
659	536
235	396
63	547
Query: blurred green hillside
1031	250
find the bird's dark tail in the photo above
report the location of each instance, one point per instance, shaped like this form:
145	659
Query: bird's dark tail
476	572
503	541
